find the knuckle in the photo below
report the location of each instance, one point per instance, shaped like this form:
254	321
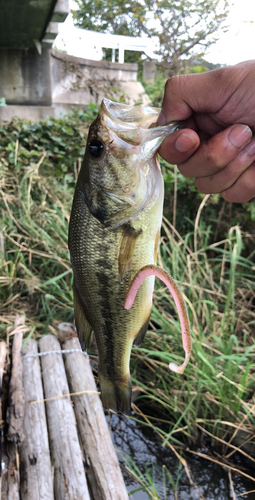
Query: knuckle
248	187
171	83
185	170
205	186
174	84
243	189
214	156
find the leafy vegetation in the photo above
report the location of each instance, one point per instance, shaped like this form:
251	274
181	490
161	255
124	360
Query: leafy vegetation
56	143
211	258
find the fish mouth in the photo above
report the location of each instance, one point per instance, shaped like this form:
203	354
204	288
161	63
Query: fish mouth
137	124
136	116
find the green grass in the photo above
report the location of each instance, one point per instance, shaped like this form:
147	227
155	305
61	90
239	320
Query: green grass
35	269
214	399
146	479
219	288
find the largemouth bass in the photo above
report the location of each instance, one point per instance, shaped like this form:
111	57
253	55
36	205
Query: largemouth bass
114	232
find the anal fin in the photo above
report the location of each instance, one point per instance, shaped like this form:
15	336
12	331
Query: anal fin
82	325
142	332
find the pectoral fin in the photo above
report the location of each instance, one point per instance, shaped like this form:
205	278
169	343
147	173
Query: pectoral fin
127	247
83	327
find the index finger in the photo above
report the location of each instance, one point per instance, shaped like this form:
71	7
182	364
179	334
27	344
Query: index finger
196	93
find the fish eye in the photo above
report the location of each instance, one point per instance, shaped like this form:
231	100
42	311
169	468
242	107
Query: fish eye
96	148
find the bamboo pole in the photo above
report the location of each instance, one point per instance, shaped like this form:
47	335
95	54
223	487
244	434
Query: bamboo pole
102	466
35	478
69	476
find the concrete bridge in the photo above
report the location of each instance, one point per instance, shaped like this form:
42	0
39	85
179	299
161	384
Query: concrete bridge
27	31
37	81
25	24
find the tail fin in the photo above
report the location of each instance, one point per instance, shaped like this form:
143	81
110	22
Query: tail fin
116	395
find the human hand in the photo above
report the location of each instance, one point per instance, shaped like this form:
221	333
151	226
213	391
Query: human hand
217	146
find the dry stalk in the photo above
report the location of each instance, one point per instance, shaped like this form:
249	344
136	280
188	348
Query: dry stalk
196	227
222	464
175	196
231	485
226	443
246	493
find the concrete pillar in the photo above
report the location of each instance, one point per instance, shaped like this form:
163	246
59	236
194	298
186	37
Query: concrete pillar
25	76
149	71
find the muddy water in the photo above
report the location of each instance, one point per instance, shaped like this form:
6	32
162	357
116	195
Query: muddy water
145	449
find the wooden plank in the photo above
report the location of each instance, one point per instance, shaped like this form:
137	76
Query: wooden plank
15	418
102	466
69	476
16	409
10	477
35	466
2	363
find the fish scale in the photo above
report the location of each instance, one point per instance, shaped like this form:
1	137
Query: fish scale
114	231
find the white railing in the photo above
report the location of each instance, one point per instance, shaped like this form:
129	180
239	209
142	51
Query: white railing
89	44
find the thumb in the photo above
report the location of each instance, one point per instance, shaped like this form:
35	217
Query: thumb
179	146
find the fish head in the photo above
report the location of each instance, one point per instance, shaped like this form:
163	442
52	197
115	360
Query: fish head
120	171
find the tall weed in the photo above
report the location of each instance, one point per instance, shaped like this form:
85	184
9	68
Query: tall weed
214	399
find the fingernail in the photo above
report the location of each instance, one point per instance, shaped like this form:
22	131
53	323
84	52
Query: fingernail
239	135
161	119
185	143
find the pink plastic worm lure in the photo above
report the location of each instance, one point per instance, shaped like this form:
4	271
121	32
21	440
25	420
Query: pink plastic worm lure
159	272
